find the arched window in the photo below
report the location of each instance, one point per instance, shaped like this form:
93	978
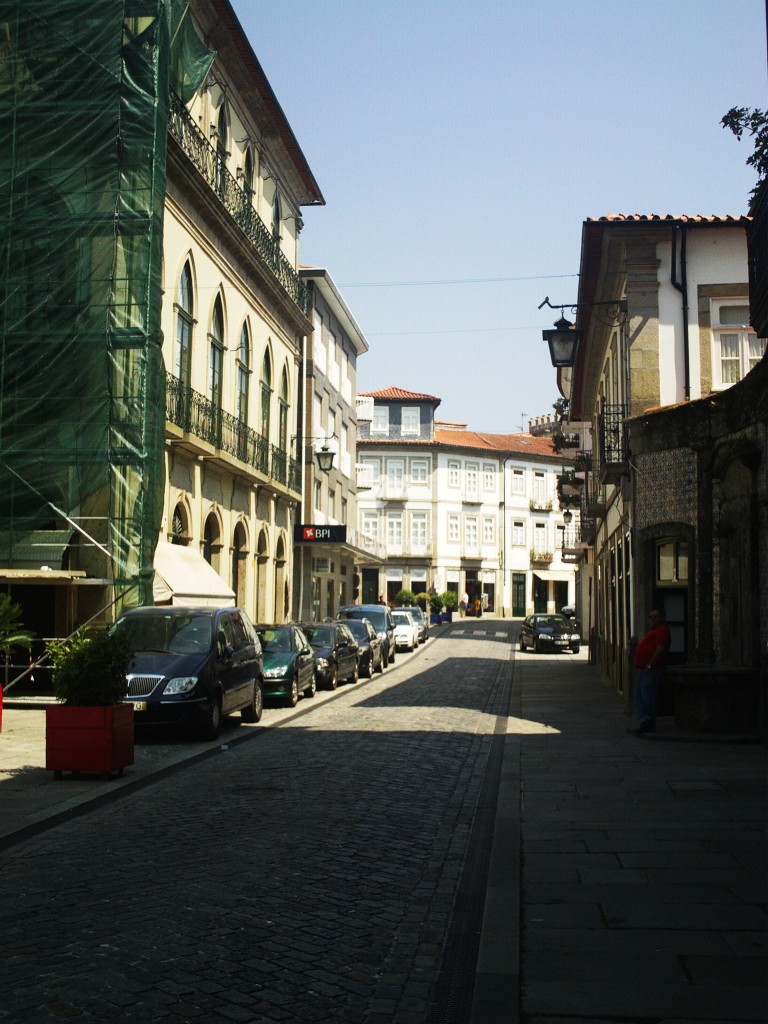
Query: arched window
266	393
184	323
215	361
180	526
212	541
243	374
283	425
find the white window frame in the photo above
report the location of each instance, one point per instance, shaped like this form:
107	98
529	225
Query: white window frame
374	468
518	533
380	421
750	347
410	420
489	530
370	524
395	529
419	471
454	474
472	470
454	533
518	481
419	528
489	477
471	534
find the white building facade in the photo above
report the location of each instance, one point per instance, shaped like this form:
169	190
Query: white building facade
461	511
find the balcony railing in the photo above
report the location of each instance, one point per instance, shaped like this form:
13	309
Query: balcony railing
236	200
614	451
197	415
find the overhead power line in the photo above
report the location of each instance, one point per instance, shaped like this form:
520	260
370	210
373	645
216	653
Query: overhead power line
457	280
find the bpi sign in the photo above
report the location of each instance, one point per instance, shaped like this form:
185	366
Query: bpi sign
308	534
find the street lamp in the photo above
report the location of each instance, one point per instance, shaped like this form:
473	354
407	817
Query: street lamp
562	341
567	517
324	455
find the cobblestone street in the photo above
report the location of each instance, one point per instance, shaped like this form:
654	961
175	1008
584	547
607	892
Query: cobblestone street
308	874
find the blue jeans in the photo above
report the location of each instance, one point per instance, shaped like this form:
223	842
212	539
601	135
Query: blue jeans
647	695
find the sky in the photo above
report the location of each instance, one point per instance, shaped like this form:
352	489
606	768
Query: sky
461	144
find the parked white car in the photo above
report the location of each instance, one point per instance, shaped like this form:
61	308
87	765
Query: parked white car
406	630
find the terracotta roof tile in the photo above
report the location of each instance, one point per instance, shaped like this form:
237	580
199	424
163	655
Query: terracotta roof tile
519	443
399	393
697	218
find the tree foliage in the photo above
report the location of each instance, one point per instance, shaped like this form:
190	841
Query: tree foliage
12	632
755	123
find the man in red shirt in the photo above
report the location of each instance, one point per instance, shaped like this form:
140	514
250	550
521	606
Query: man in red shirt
651	660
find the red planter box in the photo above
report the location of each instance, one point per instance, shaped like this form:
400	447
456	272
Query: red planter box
88	739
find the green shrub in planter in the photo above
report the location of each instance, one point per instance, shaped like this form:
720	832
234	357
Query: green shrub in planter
405	598
450	600
422	600
89	669
435	603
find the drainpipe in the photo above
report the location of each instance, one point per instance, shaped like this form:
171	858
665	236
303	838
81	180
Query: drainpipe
682	287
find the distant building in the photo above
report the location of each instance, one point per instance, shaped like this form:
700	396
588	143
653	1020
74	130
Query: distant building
460	510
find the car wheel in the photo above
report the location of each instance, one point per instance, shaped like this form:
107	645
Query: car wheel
576	649
293	697
254	710
312	689
333	682
366	670
522	644
356	674
537	646
212	725
381	666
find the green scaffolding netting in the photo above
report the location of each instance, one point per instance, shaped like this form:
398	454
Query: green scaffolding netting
84	98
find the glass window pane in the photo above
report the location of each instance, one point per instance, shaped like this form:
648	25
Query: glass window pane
666	561
731	316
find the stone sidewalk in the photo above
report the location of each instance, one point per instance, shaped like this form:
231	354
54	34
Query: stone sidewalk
636	866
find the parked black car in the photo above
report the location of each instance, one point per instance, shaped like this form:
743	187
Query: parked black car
337	653
289	663
192	665
381	618
545	632
371	646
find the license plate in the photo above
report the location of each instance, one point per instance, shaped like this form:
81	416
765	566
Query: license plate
561	643
139	705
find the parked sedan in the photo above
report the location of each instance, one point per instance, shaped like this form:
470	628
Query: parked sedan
337	653
191	666
289	663
420	619
549	633
406	630
371	646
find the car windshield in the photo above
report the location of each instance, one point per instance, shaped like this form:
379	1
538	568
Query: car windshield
402	619
168	634
275	640
319	636
417	613
358	629
378	618
553	622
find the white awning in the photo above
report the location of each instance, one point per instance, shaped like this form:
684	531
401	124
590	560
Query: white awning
183	577
553	574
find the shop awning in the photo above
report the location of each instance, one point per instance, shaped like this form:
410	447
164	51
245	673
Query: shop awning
183	577
554	574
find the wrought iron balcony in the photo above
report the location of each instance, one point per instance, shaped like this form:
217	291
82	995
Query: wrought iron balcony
236	200
197	415
614	450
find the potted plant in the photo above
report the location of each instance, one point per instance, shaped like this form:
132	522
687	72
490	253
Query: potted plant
435	608
90	729
405	599
12	634
422	600
450	601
